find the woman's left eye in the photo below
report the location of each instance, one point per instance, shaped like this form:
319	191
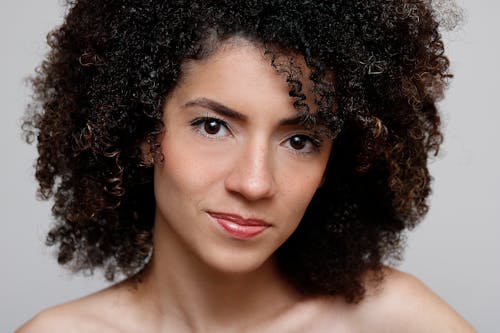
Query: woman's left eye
301	143
210	127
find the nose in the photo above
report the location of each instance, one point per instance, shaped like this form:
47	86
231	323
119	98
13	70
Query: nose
252	174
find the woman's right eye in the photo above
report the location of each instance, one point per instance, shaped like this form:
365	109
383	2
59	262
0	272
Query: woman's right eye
210	127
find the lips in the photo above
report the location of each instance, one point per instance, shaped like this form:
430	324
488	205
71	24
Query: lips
239	227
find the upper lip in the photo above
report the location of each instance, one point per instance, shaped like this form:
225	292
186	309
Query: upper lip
238	219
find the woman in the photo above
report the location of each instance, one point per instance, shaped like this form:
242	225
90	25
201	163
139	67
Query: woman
247	166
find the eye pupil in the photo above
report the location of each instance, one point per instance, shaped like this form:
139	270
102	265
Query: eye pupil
297	142
212	126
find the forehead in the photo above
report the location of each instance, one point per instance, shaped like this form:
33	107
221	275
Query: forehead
238	67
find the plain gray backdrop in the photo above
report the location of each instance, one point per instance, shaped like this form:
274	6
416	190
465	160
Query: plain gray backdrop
455	250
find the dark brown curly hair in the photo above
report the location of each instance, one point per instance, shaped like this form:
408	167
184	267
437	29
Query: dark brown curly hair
99	93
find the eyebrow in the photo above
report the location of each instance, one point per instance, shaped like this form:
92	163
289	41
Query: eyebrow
233	114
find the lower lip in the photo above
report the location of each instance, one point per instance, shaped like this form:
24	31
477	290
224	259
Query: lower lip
239	231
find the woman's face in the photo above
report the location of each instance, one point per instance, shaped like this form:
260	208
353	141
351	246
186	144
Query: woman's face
239	169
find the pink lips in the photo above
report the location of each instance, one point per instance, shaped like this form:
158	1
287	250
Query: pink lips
239	227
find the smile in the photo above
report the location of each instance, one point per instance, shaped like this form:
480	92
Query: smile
239	227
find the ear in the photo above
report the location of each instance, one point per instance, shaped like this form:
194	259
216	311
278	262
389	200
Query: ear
147	156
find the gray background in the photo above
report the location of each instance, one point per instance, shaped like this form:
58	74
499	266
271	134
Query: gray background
455	250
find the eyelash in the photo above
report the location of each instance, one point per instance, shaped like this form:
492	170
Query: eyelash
195	124
316	143
315	140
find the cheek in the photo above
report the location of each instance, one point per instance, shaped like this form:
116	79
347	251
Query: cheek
301	196
297	193
300	181
178	172
187	170
299	184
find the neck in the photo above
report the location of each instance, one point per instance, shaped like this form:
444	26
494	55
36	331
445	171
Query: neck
183	287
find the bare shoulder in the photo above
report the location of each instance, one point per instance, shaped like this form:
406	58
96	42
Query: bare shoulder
402	303
55	320
93	313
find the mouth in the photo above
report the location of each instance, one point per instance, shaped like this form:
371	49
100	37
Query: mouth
237	226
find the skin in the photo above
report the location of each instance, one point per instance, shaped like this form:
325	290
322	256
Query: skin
201	279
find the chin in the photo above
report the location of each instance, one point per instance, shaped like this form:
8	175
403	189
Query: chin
236	262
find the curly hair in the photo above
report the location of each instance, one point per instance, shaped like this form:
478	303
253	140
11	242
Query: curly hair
99	93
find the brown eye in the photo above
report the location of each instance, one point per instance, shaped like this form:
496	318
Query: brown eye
212	126
298	142
302	144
